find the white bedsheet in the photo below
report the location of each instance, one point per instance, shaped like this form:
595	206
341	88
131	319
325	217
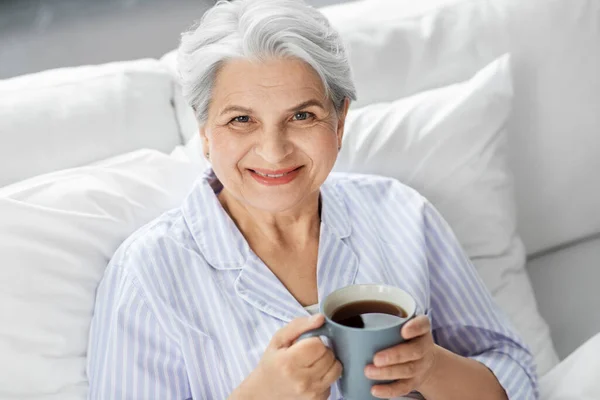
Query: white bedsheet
577	376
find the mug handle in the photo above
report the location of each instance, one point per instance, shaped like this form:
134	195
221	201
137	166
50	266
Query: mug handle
321	331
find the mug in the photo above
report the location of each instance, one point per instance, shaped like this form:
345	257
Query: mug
355	347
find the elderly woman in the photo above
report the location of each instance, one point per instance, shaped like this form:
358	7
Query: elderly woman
207	301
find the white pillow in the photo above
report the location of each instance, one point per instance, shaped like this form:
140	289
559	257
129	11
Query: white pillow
415	45
405	46
57	233
74	116
450	144
185	115
555	128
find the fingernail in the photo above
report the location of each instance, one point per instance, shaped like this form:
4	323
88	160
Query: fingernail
369	372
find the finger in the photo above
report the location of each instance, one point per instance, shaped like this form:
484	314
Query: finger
307	352
394	389
399	371
402	353
333	373
416	327
285	336
322	365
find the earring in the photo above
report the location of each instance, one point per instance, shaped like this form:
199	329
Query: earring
207	155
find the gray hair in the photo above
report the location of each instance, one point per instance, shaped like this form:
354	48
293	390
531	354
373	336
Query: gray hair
258	30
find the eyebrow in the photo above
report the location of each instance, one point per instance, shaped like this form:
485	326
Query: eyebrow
305	104
237	109
245	110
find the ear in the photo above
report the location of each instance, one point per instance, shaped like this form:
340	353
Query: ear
342	120
204	138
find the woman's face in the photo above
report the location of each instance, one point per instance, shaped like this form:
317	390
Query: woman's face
272	133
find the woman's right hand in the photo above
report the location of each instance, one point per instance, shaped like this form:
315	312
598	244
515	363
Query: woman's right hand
290	370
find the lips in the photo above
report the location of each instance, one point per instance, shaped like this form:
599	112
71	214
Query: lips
274	177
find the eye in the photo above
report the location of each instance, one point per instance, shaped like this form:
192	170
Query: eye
241	119
303	116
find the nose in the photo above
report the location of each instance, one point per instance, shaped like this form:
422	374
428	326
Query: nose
273	145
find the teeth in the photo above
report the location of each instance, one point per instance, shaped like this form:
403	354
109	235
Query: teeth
271	176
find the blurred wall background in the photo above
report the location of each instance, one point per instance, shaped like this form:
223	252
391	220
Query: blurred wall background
40	34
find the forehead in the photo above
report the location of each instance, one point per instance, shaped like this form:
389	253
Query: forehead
282	80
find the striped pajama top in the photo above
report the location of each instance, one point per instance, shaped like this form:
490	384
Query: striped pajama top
186	309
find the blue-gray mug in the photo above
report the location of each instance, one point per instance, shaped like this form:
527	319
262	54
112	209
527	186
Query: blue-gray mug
355	347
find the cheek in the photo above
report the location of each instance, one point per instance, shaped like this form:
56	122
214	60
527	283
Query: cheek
229	148
322	147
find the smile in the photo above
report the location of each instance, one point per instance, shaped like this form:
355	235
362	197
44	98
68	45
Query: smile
272	175
274	178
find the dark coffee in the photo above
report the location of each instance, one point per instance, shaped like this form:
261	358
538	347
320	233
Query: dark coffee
368	314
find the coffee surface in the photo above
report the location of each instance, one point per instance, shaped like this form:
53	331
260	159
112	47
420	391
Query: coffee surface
368	314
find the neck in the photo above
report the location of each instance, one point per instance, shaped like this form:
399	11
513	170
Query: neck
294	228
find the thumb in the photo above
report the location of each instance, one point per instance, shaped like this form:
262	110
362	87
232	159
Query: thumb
287	335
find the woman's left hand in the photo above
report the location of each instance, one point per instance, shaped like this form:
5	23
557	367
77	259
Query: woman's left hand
409	364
